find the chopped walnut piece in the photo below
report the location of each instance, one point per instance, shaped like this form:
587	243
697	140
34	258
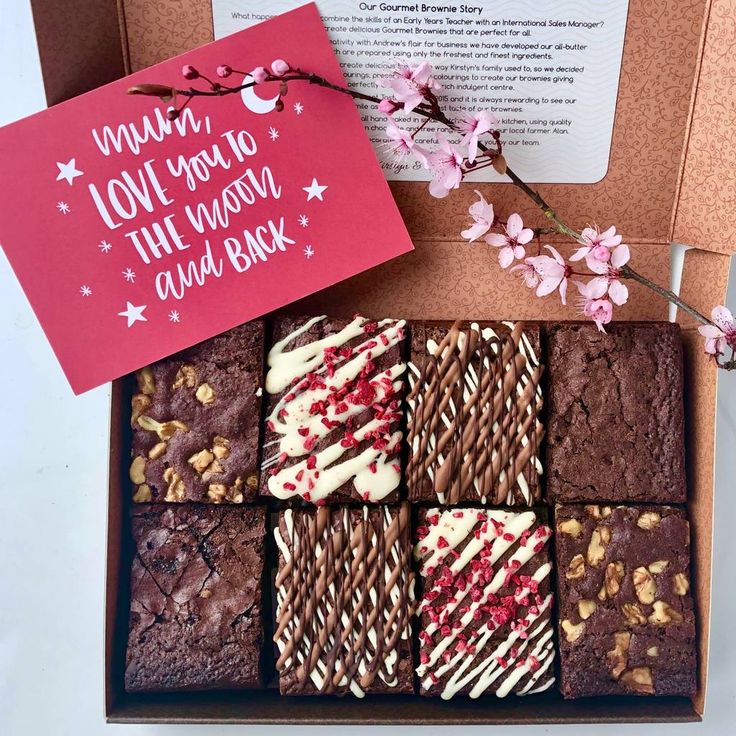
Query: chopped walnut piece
146	384
638	679
648	520
658	566
681	584
143	494
664	614
205	394
598	512
220	447
613	577
219	492
185	376
618	657
214	468
157	451
176	488
576	569
633	613
205	593
164	430
252	481
140	403
653	652
644	585
572	631
586	609
570	526
596	550
201	460
137	470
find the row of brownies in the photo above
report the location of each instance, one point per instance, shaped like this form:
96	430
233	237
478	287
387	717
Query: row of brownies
444	596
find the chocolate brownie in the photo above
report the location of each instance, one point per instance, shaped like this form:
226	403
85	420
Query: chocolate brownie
474	429
626	615
344	601
335	401
196	421
195	609
486	610
615	429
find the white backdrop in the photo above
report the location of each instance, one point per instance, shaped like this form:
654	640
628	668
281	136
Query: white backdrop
53	455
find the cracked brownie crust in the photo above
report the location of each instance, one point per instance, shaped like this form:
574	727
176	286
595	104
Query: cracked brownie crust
615	429
627	624
195	612
195	421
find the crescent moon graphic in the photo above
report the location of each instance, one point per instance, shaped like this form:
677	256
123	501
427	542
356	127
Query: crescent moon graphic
255	103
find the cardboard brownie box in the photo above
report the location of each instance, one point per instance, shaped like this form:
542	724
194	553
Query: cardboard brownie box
669	180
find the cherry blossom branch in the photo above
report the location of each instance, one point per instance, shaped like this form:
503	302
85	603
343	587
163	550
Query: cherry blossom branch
413	90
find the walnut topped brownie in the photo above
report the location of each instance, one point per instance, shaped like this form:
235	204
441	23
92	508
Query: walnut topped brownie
195	611
335	400
474	428
196	421
486	610
615	426
627	624
344	600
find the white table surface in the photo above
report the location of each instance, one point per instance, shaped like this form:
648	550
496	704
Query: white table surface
53	455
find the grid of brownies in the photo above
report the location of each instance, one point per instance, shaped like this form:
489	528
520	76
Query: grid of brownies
423	543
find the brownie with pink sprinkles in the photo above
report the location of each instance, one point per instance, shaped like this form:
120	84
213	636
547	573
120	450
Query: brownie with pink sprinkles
486	605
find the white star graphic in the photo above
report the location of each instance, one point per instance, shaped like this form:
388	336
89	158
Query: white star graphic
174	315
105	247
273	133
314	190
129	275
85	290
68	171
63	207
309	251
303	220
298	108
133	314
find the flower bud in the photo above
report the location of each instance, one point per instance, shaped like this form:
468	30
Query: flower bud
259	74
279	68
224	71
189	72
172	113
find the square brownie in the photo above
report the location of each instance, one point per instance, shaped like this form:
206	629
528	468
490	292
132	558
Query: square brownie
486	609
615	428
626	614
334	410
474	429
195	608
196	419
344	601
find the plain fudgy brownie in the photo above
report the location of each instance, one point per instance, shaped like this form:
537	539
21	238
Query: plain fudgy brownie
335	402
344	601
615	427
196	421
626	614
486	609
474	429
195	610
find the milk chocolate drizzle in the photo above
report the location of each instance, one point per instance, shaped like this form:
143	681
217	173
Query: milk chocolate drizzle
474	418
344	598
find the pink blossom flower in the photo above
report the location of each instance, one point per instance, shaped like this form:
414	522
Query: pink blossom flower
259	74
388	107
552	271
224	71
596	244
528	273
473	126
411	84
483	216
279	67
402	143
512	244
609	280
189	72
721	333
593	304
446	167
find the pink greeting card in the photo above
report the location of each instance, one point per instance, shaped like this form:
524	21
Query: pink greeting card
135	236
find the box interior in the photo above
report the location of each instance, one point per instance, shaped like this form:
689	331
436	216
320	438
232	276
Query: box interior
673	148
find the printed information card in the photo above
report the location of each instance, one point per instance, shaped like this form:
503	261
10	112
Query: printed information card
548	68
